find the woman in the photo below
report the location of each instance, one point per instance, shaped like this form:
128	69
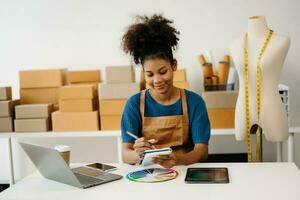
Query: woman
163	115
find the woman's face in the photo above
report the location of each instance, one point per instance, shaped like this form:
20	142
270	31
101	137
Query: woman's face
159	74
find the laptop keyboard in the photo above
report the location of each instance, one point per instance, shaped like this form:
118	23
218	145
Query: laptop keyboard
88	181
88	171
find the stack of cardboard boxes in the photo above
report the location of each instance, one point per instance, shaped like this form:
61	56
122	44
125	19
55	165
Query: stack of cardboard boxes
77	109
221	108
114	93
33	117
41	86
85	77
180	80
7	107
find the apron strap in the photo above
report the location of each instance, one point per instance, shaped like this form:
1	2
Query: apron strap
142	104
184	106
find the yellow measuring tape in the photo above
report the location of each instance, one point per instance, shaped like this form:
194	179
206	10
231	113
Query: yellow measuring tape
258	86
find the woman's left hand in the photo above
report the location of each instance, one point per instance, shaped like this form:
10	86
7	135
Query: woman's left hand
167	161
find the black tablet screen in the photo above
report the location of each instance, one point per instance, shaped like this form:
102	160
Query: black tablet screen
207	175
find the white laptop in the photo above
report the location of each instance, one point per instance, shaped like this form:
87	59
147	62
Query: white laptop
52	166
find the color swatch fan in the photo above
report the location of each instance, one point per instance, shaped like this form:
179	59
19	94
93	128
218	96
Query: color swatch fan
152	175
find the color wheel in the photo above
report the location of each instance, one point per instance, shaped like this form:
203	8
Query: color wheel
152	175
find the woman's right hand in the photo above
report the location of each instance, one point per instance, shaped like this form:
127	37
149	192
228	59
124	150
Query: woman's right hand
141	144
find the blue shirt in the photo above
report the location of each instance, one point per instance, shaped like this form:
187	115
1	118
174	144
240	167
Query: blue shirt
199	125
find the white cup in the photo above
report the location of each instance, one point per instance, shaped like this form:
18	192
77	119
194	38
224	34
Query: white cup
64	151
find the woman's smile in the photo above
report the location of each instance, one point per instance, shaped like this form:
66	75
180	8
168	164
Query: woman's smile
161	86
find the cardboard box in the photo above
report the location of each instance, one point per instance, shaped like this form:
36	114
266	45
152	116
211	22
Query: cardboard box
5	93
6	124
55	107
119	74
118	90
75	121
182	84
32	125
39	96
78	76
77	105
42	78
179	75
95	84
111	107
221	118
220	99
112	122
7	108
77	92
33	111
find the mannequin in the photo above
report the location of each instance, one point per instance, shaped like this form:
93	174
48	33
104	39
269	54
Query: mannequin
273	117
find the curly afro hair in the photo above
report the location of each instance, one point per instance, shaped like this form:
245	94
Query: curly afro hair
150	37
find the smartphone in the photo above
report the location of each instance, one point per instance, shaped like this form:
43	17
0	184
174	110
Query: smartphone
102	167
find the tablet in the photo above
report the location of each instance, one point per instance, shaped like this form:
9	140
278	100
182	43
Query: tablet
150	154
207	175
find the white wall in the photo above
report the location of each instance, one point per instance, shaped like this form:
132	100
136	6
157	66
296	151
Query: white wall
86	34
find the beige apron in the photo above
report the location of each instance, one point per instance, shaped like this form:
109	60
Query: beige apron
169	131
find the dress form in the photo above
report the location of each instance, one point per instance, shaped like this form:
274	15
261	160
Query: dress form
273	117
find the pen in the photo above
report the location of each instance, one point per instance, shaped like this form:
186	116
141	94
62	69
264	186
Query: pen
132	135
136	137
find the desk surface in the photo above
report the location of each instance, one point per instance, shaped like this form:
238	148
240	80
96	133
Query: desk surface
101	133
274	181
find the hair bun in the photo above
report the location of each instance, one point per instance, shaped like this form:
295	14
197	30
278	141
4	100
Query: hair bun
149	36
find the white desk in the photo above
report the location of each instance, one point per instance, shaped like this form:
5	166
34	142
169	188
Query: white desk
248	181
117	134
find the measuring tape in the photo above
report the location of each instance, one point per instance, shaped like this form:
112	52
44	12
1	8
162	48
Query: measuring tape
258	86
